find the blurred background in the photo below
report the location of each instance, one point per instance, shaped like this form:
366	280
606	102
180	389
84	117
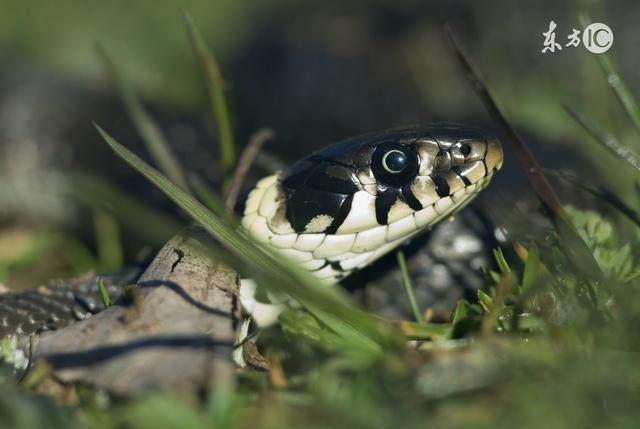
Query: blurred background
314	72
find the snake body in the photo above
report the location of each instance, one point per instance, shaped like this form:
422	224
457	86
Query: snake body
333	212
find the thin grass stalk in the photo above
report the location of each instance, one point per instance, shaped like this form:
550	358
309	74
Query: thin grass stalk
603	137
145	125
215	88
408	287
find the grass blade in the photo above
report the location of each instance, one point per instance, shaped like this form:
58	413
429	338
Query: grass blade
424	331
215	88
248	156
108	244
147	128
104	294
622	91
501	261
406	282
327	304
531	269
603	137
616	83
598	192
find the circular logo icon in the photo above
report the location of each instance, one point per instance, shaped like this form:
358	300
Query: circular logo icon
597	38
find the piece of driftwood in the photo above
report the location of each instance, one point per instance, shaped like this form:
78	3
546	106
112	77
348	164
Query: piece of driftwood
175	328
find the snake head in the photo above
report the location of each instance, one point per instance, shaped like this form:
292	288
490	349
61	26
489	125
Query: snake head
401	171
354	201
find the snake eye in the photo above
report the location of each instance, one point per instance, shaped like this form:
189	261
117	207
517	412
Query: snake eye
394	161
394	164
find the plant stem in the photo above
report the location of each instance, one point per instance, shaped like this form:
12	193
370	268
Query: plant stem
408	288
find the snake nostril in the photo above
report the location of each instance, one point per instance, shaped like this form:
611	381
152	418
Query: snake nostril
465	149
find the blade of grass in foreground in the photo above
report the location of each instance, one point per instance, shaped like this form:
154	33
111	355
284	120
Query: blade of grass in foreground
364	332
215	87
147	128
603	137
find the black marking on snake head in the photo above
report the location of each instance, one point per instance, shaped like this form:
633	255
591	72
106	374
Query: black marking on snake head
409	198
464	178
318	185
384	201
306	203
339	218
442	186
442	161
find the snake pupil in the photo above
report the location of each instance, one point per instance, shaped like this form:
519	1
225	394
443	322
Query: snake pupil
394	161
394	164
465	149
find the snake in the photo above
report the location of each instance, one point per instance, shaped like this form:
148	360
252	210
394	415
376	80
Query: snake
333	213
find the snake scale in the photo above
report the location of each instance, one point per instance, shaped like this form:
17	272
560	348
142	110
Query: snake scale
333	212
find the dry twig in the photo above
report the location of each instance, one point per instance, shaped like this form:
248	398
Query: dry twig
257	140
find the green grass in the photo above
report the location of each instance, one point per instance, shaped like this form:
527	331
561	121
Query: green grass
104	294
215	88
408	288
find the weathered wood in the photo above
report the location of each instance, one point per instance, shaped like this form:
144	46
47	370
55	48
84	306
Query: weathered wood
176	331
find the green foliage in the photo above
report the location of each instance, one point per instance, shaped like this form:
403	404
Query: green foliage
12	355
615	261
104	294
